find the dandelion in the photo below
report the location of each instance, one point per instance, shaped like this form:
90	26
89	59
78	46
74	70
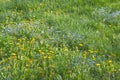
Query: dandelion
41	52
20	40
45	57
97	64
26	69
13	54
52	52
49	57
110	61
91	51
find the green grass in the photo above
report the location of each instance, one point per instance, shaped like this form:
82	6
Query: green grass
59	40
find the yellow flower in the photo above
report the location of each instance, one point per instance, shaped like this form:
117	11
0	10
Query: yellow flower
20	40
110	61
42	53
91	51
52	52
98	64
13	54
45	57
49	57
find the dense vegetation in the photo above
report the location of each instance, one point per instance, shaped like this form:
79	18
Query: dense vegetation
59	39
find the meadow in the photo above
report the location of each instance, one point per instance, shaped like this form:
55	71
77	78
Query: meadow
59	40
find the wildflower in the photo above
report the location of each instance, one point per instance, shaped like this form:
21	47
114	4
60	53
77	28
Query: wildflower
26	69
41	52
52	52
20	40
110	61
13	54
91	51
98	64
49	57
45	57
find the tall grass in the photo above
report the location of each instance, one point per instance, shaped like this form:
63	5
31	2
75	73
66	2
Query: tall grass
59	40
